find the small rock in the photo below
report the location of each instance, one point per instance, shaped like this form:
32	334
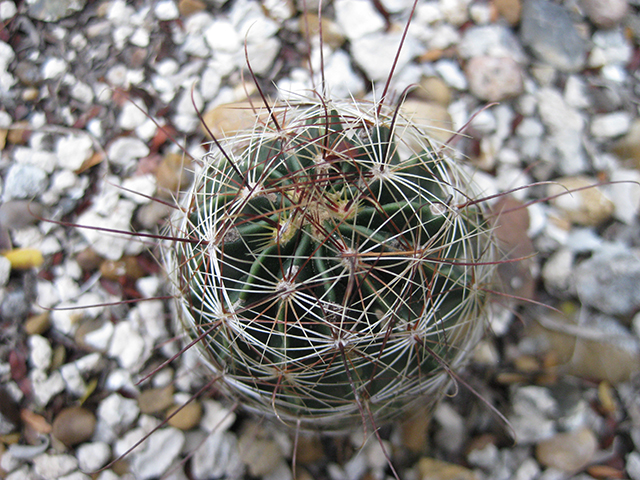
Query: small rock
52	467
127	346
432	469
155	400
166	10
217	418
605	13
556	272
45	387
569	452
189	7
157	454
358	18
17	214
510	10
432	118
73	150
610	125
186	416
74	425
260	455
433	89
124	151
633	465
589	206
451	434
228	119
173	174
628	147
625	195
118	412
609	281
217	457
37	324
491	40
53	10
93	456
331	33
39	352
24	181
556	42
5	273
376	52
494	78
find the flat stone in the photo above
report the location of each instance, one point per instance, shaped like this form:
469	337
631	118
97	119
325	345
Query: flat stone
609	281
52	467
53	10
158	453
550	31
569	452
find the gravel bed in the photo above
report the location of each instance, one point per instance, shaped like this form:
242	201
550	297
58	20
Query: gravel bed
552	93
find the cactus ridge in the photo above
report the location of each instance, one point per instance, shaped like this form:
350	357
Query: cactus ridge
330	271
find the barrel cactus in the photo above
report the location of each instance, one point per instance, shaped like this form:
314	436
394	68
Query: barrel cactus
331	264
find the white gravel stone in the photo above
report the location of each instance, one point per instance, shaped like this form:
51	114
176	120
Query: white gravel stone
74	383
222	35
124	151
40	352
166	10
109	245
139	188
75	476
610	125
131	116
5	270
261	55
154	457
45	387
376	52
358	18
127	346
633	465
118	412
93	456
625	196
53	67
52	467
492	40
610	47
451	73
218	457
73	150
24	181
216	418
7	10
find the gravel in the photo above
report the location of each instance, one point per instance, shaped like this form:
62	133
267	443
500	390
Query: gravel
77	147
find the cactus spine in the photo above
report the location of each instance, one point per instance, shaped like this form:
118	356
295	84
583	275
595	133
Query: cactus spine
333	264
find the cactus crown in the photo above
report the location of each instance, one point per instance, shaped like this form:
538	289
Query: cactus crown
334	264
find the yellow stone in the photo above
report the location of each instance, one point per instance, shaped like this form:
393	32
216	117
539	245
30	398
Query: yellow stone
24	258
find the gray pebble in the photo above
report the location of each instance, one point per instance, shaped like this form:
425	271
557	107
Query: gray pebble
605	13
609	281
494	78
548	29
24	181
53	10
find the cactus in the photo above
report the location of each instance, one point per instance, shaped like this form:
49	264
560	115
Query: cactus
331	264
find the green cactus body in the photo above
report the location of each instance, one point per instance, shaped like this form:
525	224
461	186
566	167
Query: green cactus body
329	271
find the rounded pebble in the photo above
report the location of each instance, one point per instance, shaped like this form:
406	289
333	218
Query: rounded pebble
494	78
187	417
155	400
74	425
568	452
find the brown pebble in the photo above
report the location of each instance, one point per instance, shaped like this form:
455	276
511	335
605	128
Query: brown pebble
37	324
173	173
569	452
432	469
155	400
189	7
509	10
89	260
126	267
309	449
74	425
187	418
